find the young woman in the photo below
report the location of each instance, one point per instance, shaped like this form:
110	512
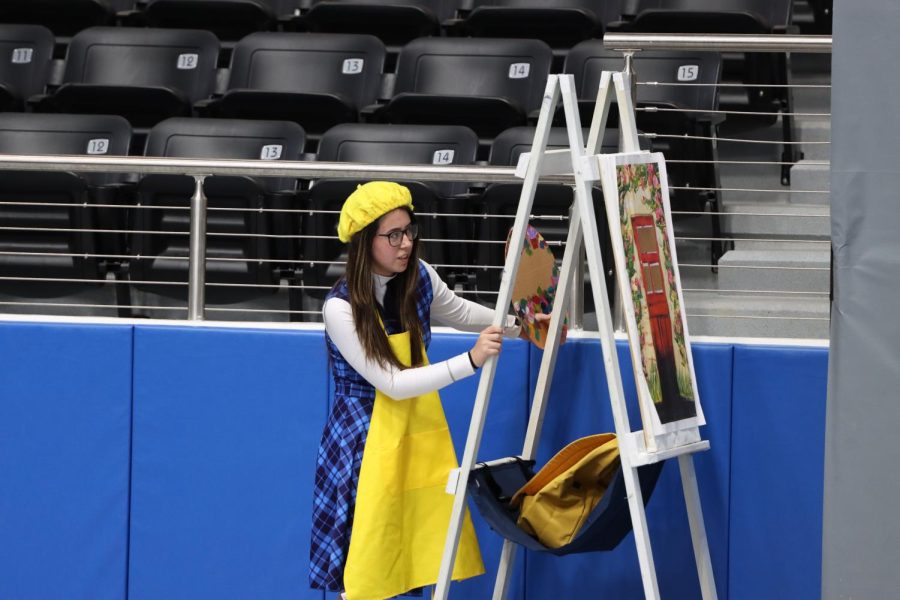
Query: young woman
377	329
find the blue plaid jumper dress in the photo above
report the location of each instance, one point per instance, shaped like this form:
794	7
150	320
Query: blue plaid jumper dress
341	450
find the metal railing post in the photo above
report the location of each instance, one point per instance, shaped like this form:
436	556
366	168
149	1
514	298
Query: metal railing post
197	258
629	70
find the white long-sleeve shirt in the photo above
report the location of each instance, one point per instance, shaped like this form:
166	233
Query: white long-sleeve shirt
446	308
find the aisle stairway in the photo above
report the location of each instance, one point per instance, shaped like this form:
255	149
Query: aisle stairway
775	282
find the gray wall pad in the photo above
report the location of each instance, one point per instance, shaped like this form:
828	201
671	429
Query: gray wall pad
861	528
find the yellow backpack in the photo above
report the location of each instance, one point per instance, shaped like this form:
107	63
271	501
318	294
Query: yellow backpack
555	503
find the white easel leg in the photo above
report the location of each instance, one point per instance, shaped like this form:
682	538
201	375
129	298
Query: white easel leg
504	571
698	529
641	533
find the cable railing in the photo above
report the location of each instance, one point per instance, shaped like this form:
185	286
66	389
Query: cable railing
755	211
787	219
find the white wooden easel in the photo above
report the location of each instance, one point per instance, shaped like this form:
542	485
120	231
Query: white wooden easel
636	449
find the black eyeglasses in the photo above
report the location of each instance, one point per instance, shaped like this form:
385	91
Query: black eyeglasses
395	237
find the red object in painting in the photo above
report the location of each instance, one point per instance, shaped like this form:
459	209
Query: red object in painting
673	405
653	277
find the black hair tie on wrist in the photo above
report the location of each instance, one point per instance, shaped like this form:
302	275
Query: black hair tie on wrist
472	362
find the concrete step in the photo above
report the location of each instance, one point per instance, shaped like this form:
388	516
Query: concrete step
810	181
816	131
777	219
760	183
694	262
769	270
770	316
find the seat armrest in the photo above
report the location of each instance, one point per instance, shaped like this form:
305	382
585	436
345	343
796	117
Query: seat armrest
38	102
533	115
131	18
621	25
454	27
207	107
369	114
292	22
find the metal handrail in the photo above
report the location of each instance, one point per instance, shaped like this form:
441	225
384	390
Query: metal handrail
265	168
735	42
202	168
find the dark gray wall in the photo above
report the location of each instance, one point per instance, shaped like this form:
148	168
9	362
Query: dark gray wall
861	523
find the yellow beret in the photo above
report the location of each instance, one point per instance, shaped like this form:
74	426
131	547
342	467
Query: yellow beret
368	203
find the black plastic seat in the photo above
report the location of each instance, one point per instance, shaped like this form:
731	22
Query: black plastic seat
63	17
486	84
56	221
707	16
390	144
561	23
552	203
227	19
317	80
236	225
764	75
145	75
25	69
395	22
687	112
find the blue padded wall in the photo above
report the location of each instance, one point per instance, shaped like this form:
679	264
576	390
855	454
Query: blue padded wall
777	464
504	432
65	418
579	406
226	427
226	423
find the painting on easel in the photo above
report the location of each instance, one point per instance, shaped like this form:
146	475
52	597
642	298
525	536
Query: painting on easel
647	271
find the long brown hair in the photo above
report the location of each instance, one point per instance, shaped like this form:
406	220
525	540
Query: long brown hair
371	334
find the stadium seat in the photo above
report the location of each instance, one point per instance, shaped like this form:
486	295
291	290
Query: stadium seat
145	75
54	226
395	22
561	24
390	144
707	16
674	115
822	11
63	17
315	79
759	72
552	203
236	223
486	84
227	19
25	70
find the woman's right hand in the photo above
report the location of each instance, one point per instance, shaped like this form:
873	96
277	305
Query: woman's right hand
488	344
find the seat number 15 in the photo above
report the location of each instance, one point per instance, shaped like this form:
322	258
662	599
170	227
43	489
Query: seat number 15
688	72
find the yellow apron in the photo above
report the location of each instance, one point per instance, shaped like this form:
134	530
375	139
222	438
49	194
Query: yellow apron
402	509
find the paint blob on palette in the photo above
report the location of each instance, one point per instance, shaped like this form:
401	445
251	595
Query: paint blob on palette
535	286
